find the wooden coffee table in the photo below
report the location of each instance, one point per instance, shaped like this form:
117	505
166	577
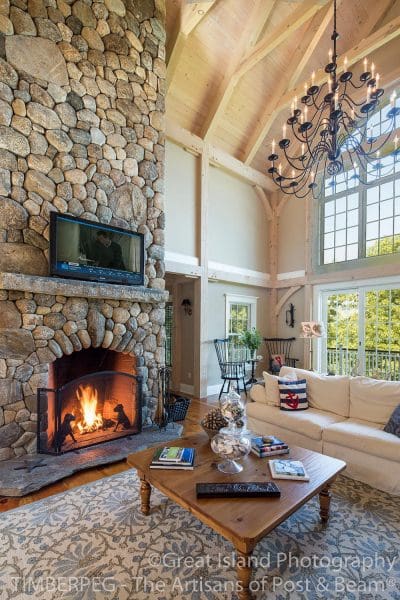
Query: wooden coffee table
243	521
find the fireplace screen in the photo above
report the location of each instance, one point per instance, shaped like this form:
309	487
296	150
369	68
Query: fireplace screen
95	408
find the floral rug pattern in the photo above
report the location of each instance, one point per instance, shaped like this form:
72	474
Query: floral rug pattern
93	543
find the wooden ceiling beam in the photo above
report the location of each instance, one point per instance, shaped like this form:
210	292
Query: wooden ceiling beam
190	16
295	20
250	34
313	43
384	35
217	157
269	115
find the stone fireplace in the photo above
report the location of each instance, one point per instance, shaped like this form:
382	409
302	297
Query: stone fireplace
93	396
81	132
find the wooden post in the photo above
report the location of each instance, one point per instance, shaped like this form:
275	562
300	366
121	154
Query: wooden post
201	285
273	231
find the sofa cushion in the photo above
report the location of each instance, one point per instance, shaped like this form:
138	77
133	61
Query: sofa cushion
271	383
364	436
309	422
257	393
324	392
393	425
271	389
293	394
372	399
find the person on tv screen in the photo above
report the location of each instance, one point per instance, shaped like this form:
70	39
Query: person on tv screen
106	253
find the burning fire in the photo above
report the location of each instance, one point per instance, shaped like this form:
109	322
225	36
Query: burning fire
91	419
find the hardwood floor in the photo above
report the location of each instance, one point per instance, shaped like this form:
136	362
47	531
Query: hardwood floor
198	408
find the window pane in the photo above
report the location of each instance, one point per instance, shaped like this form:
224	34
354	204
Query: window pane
372	195
340	238
387	190
352	218
386	228
340	254
329	240
329	257
341	204
372	230
340	221
352	201
372	212
329	224
386	209
352	252
373	248
329	209
352	235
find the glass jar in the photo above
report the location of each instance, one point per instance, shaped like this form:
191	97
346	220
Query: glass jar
233	410
231	448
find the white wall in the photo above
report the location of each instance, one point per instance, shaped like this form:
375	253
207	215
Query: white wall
238	223
181	193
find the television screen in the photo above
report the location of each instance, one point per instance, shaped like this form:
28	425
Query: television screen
87	250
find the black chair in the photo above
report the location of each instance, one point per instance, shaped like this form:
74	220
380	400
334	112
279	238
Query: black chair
280	347
232	362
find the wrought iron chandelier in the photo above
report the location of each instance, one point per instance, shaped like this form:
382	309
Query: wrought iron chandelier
337	136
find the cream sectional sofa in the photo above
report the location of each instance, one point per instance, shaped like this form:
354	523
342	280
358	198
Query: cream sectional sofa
345	419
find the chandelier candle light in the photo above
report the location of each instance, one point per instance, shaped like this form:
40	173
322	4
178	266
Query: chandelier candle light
337	135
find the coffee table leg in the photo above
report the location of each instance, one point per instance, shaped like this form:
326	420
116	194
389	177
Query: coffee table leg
145	491
244	572
325	502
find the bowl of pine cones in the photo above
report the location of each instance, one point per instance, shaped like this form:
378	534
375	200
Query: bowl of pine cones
213	422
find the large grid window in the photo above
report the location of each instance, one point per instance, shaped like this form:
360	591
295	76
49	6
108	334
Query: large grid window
357	220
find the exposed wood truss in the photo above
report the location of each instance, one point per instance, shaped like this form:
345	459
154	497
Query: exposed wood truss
259	16
235	65
190	15
217	157
301	15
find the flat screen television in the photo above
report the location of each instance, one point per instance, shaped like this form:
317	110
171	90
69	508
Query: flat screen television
82	249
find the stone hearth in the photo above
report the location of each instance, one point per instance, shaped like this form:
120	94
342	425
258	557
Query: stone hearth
82	88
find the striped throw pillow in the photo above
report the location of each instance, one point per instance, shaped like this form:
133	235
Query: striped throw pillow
293	394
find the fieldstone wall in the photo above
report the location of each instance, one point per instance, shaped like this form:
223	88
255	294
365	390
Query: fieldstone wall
81	123
82	87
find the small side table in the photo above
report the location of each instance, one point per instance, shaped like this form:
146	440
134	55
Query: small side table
252	379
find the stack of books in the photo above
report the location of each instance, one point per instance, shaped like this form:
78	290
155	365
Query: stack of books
173	457
268	445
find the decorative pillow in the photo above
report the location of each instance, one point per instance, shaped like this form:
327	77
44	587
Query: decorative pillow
277	362
271	383
293	394
393	425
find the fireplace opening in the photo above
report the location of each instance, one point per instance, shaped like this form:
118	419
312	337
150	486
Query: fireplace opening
79	410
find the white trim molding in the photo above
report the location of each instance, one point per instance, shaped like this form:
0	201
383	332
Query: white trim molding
183	264
213	390
224	272
184	388
290	275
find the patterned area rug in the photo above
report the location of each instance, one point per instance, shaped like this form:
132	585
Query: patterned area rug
93	543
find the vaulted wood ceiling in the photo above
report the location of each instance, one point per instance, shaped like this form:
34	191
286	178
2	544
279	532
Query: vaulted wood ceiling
234	66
